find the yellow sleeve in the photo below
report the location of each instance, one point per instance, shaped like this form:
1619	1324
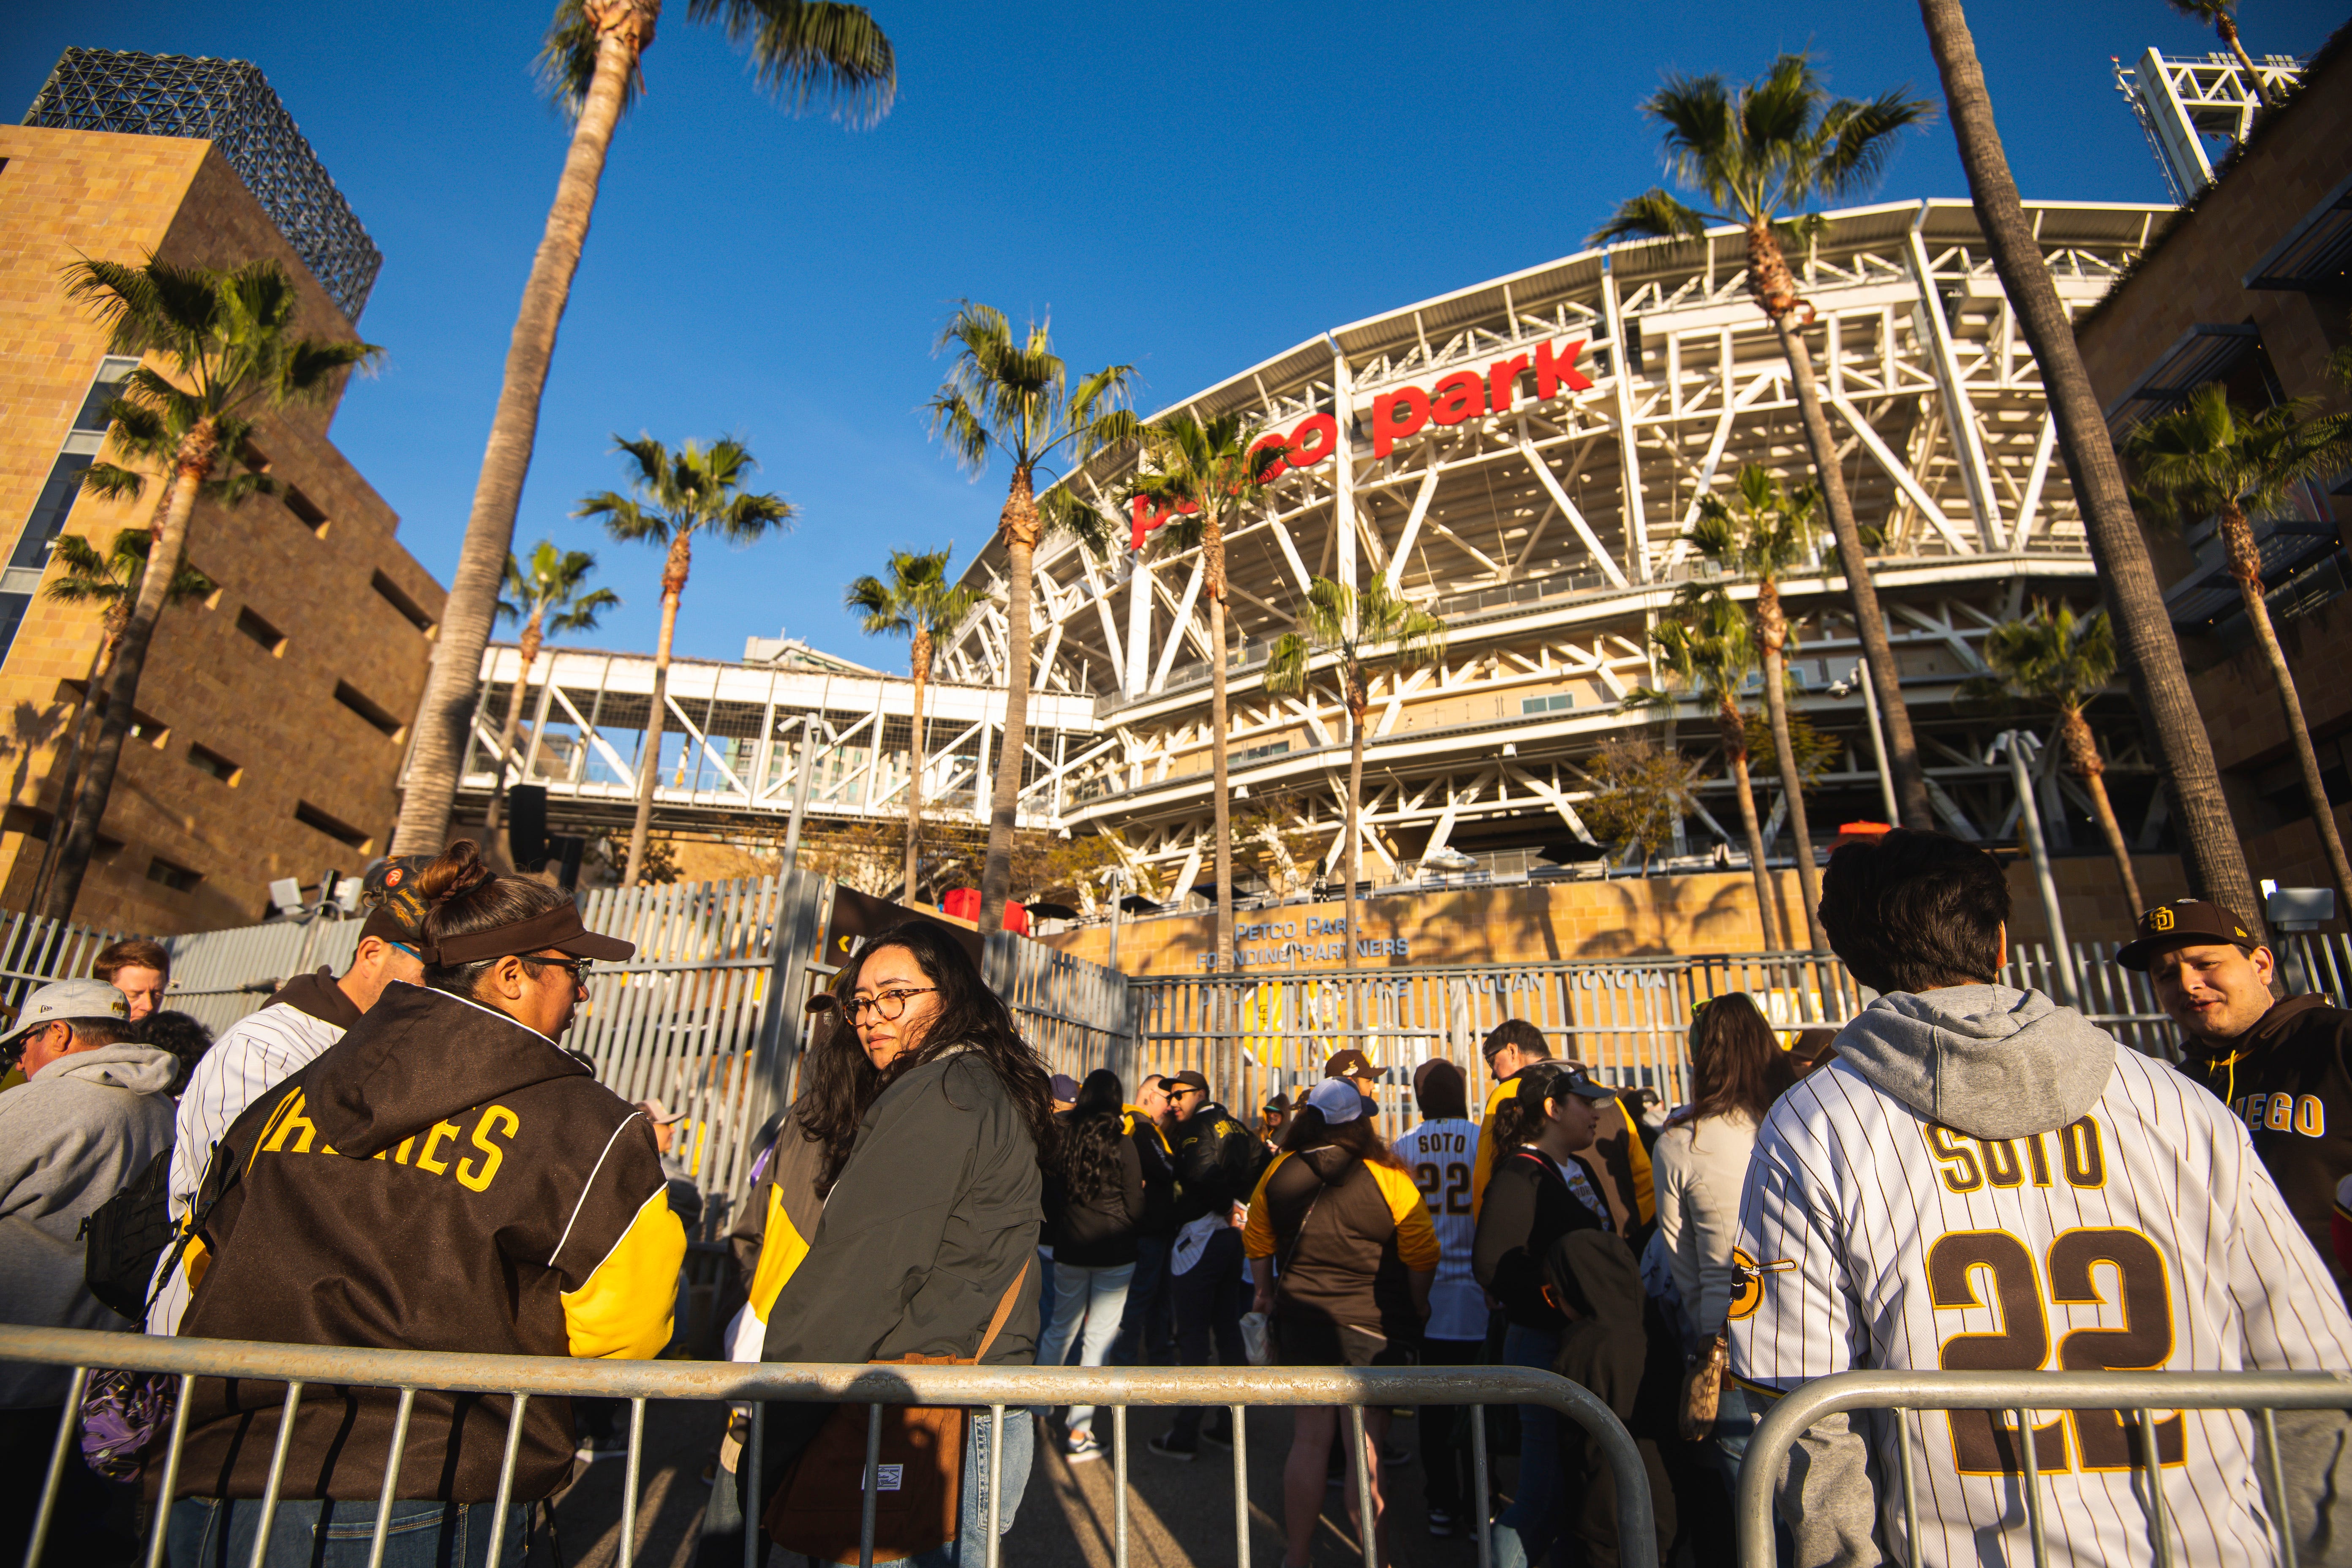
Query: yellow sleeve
782	1248
625	1309
1416	1236
1257	1234
1637	1156
1482	1166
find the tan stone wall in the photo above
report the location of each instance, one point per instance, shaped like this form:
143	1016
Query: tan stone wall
1631	917
275	715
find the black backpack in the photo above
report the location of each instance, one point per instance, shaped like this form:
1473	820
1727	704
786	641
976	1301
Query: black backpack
125	1236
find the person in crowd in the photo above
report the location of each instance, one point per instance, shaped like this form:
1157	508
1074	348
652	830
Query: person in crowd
1095	1196
93	1113
138	968
934	1136
1341	1255
1542	1190
1272	1121
1065	1093
444	1177
1218	1163
1970	1140
182	1037
1811	1051
1147	1330
1439	1152
2284	1067
1357	1069
1617	1154
1613	1346
300	1021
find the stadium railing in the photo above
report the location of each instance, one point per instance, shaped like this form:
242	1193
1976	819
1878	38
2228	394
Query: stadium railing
1002	1391
2139	1396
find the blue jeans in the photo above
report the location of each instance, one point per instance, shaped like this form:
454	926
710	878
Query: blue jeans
1533	1524
1098	1297
306	1532
970	1548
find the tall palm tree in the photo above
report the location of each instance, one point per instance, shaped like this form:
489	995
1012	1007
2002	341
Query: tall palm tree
803	53
919	601
229	354
678	495
2057	660
1762	534
2216	860
1204	472
549	596
1758	154
2222	16
1368	632
1012	395
109	580
2209	458
1709	652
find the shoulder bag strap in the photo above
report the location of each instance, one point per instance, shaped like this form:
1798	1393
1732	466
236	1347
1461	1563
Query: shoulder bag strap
1004	1310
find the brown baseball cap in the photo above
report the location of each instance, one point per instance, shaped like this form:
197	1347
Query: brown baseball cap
1352	1063
1189	1078
2183	922
388	893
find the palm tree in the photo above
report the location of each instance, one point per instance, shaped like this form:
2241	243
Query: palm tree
2056	660
2207	458
1762	535
802	52
1710	652
109	581
917	601
1012	395
1756	153
229	355
546	598
1204	472
1368	632
2144	636
2222	16
678	495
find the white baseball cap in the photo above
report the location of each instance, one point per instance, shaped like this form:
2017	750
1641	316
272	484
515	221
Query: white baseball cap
64	1000
1337	1098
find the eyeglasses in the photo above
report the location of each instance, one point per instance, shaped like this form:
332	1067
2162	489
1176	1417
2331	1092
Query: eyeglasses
888	1006
578	966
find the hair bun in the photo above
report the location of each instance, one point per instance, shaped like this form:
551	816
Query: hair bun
455	872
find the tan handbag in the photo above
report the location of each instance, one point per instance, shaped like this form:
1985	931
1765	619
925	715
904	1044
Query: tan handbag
819	1508
1703	1388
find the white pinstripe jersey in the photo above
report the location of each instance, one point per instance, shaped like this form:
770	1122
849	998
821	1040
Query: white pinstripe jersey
2146	1235
1442	1155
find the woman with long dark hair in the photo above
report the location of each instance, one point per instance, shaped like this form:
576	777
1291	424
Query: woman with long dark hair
1094	1200
933	1130
1737	1071
1342	1252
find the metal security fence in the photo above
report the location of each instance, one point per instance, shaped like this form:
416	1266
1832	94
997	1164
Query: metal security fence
1005	1392
2138	1396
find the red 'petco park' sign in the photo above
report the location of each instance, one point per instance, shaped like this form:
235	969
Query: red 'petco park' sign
1400	412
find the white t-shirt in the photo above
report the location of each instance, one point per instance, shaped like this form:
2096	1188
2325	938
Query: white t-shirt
1442	1155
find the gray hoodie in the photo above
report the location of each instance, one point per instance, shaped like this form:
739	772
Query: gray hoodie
1982	1059
78	1132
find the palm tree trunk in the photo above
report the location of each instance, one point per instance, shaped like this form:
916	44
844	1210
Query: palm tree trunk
1772	628
192	465
2083	761
507	734
1212	558
2246	566
1734	731
649	761
1356	711
447	706
1853	560
922	664
2228	29
69	770
2216	862
1019	522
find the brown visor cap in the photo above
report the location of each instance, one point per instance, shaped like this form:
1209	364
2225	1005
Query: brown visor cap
559	928
2183	922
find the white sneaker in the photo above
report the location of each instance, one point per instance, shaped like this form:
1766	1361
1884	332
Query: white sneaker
1082	1448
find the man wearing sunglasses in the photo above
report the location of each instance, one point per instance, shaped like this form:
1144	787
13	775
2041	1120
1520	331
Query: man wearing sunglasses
307	1014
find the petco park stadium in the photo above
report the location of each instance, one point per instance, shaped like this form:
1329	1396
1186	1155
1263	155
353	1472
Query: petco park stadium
1522	457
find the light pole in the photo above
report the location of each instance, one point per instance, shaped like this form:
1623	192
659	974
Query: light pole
1877	736
2022	746
799	797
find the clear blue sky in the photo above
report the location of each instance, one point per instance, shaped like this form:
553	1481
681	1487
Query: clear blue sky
1191	188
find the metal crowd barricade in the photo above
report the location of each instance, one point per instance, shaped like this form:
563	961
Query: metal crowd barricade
2140	1394
1002	1390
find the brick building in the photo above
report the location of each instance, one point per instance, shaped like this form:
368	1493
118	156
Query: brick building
2249	287
273	714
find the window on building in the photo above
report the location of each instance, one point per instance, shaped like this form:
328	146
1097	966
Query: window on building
410	610
1558	703
334	826
104	388
271	640
1273	749
367	708
306	511
210	764
178	878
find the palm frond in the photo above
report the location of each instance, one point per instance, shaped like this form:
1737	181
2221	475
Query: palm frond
1656	213
110	481
567	61
806	52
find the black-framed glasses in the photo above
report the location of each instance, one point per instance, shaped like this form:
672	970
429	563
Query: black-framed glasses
578	966
888	1006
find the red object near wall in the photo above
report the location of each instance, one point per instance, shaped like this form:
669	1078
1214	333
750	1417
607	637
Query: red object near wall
964	904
